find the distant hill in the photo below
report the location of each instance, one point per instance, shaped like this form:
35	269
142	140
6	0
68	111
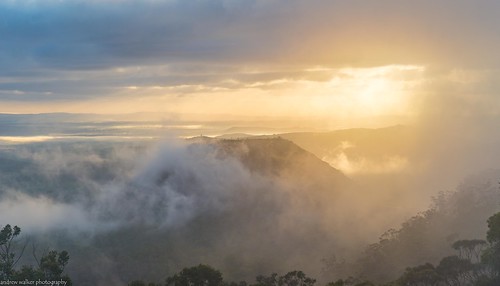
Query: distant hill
235	136
279	156
276	156
372	143
356	142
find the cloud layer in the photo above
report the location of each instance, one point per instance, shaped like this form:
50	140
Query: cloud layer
187	200
72	51
106	34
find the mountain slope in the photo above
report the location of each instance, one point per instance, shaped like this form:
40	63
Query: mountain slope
125	211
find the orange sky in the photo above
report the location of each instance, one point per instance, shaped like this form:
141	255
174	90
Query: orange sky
348	63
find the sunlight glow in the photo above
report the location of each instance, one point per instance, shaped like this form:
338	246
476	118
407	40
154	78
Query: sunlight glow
353	95
376	91
26	139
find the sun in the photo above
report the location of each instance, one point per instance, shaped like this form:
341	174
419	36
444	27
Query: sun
378	96
329	97
376	91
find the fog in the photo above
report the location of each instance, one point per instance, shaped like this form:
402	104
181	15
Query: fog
141	209
181	191
130	200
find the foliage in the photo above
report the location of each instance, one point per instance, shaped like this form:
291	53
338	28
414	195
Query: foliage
292	278
271	280
451	270
201	275
491	255
456	270
493	234
386	259
295	278
351	281
463	269
50	266
469	267
470	249
420	276
8	258
426	237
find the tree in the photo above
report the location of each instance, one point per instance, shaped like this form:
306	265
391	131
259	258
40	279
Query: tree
422	275
201	275
27	272
295	278
271	280
8	258
493	234
491	255
292	278
470	249
455	270
50	266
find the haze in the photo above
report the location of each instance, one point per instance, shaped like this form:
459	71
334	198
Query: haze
315	116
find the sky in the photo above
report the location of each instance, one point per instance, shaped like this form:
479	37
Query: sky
276	64
360	62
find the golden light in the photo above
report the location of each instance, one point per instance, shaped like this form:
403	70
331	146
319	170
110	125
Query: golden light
351	95
376	91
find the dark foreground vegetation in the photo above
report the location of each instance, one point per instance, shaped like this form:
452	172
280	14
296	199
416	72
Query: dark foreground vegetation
477	262
48	270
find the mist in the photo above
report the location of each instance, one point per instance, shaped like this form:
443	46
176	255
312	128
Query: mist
218	199
145	209
350	139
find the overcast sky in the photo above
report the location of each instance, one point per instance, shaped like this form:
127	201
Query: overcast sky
251	57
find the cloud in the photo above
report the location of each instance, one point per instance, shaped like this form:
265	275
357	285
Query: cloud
39	214
88	187
179	184
204	203
97	35
70	55
191	198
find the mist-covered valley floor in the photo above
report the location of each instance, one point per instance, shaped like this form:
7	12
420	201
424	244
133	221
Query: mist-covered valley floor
329	204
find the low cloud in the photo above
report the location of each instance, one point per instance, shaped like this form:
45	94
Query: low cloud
198	197
124	185
40	214
203	202
360	166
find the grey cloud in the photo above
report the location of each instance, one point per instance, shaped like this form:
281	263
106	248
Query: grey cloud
98	185
59	38
79	35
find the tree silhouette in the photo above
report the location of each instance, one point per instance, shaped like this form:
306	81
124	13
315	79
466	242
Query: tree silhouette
8	259
201	275
50	266
470	249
